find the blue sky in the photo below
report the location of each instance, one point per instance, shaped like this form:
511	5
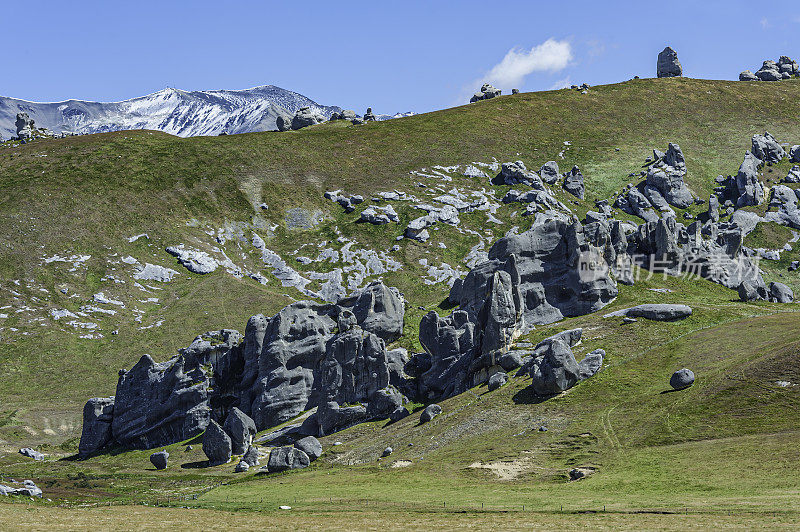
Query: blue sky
393	56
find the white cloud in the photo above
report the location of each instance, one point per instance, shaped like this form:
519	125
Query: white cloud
764	23
561	84
550	56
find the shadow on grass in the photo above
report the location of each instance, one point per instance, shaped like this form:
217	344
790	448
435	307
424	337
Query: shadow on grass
527	396
200	464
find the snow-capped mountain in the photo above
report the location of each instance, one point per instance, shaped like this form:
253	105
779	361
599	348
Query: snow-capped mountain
173	111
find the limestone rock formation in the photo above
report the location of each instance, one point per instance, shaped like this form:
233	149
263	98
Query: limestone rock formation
486	92
286	458
515	173
769	71
655	311
25	126
752	290
311	446
573	182
767	148
668	65
780	293
241	429
430	412
306	116
554	369
747	75
785	68
531	278
666	175
549	172
268	374
159	459
497	380
751	191
216	444
96	434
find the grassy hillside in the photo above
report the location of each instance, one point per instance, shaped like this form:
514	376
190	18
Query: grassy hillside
86	196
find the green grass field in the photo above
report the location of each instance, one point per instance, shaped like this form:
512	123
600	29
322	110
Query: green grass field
721	454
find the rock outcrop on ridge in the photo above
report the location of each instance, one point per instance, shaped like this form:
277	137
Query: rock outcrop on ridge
785	68
487	91
668	65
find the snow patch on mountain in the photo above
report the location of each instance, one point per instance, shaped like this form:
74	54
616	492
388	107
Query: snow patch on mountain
182	113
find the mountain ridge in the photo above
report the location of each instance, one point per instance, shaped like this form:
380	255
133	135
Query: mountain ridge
171	110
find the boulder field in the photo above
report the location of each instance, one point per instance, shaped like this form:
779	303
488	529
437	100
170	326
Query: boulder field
334	356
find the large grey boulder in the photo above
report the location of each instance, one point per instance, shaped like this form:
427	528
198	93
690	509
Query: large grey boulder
573	182
549	172
159	459
515	173
487	91
216	444
286	458
193	260
31	453
355	367
306	116
683	378
636	203
780	293
769	72
241	428
787	212
332	417
311	446
794	154
767	148
430	412
666	175
786	65
668	65
283	122
376	215
655	311
96	434
591	364
746	75
250	457
752	290
497	380
557	371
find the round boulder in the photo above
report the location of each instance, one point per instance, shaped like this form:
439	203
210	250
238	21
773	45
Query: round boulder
159	459
683	378
311	446
497	380
430	412
387	451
